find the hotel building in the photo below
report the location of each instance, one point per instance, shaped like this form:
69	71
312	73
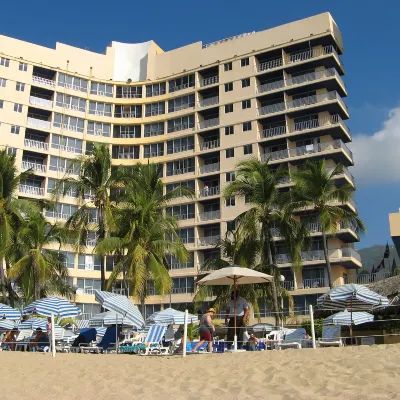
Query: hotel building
197	110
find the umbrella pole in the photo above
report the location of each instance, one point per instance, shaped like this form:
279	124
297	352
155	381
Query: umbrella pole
53	338
234	315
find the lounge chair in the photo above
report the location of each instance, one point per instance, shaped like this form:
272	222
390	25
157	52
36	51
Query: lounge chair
293	339
274	338
108	343
330	336
23	340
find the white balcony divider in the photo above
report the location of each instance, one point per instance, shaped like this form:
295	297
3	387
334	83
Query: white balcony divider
211	144
209	102
31	190
36	144
210	81
207	123
37	101
33	166
212	191
209	215
38	123
209	168
43	81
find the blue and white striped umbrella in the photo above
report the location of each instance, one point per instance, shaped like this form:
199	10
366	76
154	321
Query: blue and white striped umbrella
34	323
347	318
52	305
9	312
170	316
352	297
106	318
6	324
122	305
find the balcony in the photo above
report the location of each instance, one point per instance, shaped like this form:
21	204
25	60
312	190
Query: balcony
275	131
181	171
91	242
318	255
270	64
208	240
212	191
38	123
37	191
36	144
181	290
312	53
180	265
38	80
181	87
33	166
205	169
208	123
37	101
209	102
367	278
212	80
209	215
211	144
179	127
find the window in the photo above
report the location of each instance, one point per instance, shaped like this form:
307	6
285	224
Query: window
181	212
246	126
155	129
155	109
101	89
180	124
230	176
89	286
129	92
68	122
230	226
180	166
23	67
64	165
15	129
102	109
68	259
230	202
228	66
229	130
66	143
182	144
52	183
18	108
70	102
181	83
153	150
89	262
228	108
62	211
230	153
98	129
4	62
181	103
72	82
244	62
11	151
127	152
228	87
186	235
3	82
126	111
20	87
248	149
187	184
183	285
246	104
1	103
127	132
245	82
156	89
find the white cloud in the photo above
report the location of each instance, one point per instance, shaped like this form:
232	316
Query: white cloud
377	157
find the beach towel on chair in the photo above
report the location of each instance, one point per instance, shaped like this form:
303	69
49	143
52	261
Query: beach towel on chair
110	337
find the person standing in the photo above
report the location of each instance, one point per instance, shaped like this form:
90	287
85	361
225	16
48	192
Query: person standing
242	311
207	329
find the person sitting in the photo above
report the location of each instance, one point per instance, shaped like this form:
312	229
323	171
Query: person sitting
9	340
253	342
40	341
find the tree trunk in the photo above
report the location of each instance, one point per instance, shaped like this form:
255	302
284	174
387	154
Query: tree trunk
143	306
12	296
328	264
3	283
102	234
36	282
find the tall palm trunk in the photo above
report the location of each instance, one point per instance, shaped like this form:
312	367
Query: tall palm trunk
102	235
143	305
36	282
3	283
328	263
11	293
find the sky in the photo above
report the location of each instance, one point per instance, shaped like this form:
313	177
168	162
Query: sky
370	30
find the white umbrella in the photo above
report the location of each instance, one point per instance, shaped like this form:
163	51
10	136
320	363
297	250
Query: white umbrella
169	316
235	275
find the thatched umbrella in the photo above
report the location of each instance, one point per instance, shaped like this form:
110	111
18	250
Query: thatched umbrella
390	288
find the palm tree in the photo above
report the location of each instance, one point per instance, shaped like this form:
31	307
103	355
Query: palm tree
12	210
40	270
92	187
315	187
147	235
257	184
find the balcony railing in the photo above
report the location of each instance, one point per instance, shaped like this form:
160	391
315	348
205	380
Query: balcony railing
181	171
311	76
212	191
179	127
180	107
268	87
312	53
37	101
210	81
209	215
179	290
33	166
276	155
31	190
270	64
275	131
36	144
211	144
209	168
39	123
91	242
208	240
366	279
209	102
318	255
181	87
207	123
120	291
43	81
313	283
180	265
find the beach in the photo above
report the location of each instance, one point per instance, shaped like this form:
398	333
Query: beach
364	372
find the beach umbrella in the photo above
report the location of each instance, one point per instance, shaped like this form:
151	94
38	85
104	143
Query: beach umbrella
170	316
106	318
121	305
52	305
35	323
352	297
347	318
7	325
9	312
235	275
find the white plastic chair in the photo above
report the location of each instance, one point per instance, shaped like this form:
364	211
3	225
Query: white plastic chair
293	339
331	336
23	339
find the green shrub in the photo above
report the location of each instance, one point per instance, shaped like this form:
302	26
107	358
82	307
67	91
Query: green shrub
318	323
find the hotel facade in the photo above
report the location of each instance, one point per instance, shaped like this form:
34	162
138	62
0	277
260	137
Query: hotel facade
197	110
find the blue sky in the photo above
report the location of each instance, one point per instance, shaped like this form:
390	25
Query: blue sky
370	30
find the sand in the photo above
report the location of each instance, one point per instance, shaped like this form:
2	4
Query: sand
348	373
